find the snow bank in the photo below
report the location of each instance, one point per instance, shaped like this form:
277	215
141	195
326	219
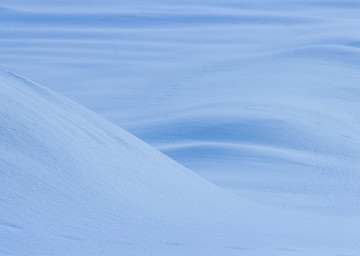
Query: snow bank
260	97
73	183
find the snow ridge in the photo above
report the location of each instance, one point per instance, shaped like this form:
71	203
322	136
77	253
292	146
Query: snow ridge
72	183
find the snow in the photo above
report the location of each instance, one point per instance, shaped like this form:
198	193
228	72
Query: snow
216	76
260	98
73	183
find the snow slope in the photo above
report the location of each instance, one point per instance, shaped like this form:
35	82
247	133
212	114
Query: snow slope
260	97
73	183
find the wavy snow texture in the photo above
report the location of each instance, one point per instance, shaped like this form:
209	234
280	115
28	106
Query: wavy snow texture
261	98
73	183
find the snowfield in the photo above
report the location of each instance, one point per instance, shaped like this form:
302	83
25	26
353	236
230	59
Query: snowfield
73	183
260	98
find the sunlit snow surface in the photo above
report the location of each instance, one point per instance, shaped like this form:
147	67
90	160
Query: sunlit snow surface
259	97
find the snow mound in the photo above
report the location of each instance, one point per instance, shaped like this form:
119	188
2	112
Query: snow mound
73	183
65	169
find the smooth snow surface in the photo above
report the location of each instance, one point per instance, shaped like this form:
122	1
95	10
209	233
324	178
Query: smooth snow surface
260	97
73	183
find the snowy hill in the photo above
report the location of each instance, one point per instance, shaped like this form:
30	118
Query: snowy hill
68	175
73	183
259	97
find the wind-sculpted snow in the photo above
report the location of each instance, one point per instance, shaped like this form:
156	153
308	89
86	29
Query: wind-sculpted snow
73	183
259	97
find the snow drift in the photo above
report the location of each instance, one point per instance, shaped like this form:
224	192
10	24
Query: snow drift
72	183
67	173
260	97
